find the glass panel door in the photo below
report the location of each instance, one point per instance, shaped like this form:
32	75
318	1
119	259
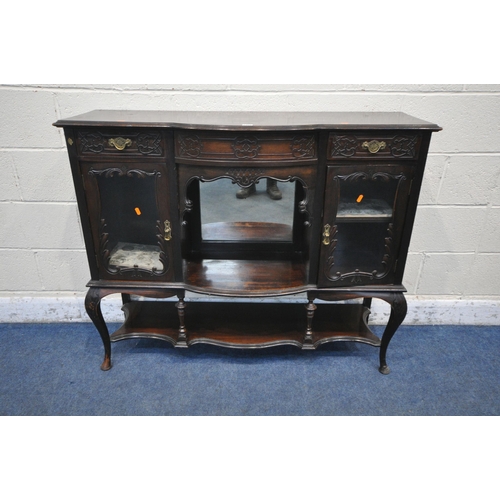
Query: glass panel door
133	227
363	217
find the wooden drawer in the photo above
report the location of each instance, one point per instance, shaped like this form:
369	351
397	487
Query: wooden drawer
373	146
245	147
120	142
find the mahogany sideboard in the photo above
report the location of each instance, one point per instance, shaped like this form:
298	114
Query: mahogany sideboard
248	207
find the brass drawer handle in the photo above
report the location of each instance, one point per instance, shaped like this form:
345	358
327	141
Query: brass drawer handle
373	146
326	234
168	231
120	143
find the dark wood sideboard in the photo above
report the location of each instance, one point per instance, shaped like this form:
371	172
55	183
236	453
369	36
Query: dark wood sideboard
239	209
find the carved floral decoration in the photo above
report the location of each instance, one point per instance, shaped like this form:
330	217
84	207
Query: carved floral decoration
190	145
146	143
343	145
399	146
246	147
304	147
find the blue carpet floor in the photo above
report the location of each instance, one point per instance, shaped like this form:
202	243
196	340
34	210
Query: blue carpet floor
53	369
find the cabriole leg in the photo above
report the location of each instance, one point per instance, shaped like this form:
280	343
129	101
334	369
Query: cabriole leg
398	314
93	308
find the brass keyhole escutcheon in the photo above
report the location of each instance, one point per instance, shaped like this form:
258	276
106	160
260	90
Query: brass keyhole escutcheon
120	143
326	234
373	146
168	231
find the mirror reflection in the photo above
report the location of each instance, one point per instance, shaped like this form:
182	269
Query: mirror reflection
261	212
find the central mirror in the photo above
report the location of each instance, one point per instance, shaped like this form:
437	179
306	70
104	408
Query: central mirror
261	212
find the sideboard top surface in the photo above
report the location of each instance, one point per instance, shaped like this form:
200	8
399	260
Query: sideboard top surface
249	120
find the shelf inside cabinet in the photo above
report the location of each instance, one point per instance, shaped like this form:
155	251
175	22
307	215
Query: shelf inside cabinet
374	210
245	277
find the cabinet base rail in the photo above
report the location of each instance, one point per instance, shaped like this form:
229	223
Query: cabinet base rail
248	325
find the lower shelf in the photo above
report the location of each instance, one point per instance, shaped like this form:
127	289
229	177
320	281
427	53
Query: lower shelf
246	325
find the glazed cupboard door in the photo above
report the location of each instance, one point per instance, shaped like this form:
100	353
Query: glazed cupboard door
364	213
130	219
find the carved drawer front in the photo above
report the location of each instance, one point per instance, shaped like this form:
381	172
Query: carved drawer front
249	147
374	146
119	142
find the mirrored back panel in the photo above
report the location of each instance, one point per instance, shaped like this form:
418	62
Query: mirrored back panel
261	212
266	219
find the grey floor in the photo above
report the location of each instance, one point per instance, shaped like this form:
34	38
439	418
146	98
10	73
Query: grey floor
53	369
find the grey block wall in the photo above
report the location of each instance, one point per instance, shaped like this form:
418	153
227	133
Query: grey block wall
454	261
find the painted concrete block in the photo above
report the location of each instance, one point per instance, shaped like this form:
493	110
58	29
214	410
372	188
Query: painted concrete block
63	270
444	274
18	271
77	102
44	175
495	196
447	229
74	103
471	122
431	183
27	117
412	271
484	276
40	225
10	185
490	237
470	180
41	245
